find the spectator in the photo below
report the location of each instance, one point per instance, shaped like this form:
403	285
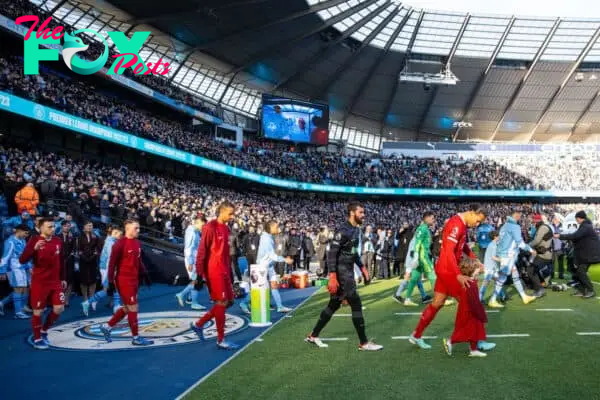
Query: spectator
27	199
587	251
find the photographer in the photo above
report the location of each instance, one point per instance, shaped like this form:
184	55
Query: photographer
586	246
542	244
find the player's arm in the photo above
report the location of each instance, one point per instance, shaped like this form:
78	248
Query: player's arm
422	250
204	250
6	256
115	258
449	244
29	250
468	251
334	249
518	238
188	247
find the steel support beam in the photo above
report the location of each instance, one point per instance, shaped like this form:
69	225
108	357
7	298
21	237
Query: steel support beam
521	84
216	5
363	84
396	76
433	95
584	53
248	30
583	113
287	43
352	59
467	109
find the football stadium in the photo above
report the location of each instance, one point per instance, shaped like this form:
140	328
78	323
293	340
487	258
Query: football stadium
299	199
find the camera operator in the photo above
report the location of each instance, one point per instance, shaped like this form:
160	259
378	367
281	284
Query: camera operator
542	244
586	246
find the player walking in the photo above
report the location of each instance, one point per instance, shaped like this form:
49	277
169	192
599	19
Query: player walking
190	252
450	281
214	266
47	280
18	274
115	234
124	270
423	252
510	242
343	254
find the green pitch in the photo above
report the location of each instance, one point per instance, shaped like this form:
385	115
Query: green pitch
553	362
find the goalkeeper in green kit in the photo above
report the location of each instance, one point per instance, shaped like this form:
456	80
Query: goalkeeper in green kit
423	254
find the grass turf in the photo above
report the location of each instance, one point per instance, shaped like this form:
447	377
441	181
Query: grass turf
552	363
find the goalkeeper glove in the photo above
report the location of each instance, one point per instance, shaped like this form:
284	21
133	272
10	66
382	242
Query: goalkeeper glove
366	276
333	285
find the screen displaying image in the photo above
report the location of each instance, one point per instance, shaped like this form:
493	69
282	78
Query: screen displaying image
296	121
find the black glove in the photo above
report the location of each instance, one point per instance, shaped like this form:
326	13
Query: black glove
111	289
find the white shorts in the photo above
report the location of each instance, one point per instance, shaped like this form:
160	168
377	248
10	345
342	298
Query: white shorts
272	275
18	278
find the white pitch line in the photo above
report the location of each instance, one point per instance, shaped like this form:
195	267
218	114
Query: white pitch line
334	339
553	309
507	335
260	339
406	337
407	313
342	315
597	283
588	333
224	363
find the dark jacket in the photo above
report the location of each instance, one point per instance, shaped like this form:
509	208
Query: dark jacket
585	243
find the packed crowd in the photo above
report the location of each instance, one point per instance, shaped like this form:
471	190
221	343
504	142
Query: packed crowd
283	160
166	204
76	98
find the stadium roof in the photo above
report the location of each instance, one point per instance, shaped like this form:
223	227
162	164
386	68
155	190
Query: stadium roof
520	78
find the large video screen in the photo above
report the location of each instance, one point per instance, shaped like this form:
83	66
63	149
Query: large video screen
295	121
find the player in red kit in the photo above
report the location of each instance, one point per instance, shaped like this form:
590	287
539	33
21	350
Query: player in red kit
124	270
214	266
47	280
450	281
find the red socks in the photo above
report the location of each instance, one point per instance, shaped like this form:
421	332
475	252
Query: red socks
133	322
205	318
50	319
36	325
117	317
219	312
473	346
426	318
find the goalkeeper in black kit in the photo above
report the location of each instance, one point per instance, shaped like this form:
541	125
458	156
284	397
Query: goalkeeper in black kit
344	252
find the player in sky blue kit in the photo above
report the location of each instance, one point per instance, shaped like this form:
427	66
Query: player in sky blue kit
190	250
18	275
491	264
115	234
510	242
483	239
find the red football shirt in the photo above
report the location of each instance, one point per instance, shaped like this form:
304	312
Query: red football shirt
48	266
125	260
454	244
213	252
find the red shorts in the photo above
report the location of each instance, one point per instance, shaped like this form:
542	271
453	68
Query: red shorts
220	288
128	290
449	285
43	294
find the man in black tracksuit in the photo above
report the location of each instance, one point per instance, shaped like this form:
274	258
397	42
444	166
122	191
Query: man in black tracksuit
586	246
344	252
